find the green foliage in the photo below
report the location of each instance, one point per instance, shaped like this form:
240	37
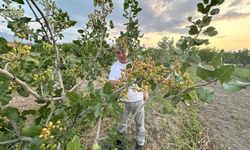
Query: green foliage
96	147
204	94
12	114
234	86
5	98
205	73
4	48
18	1
74	144
224	72
32	131
242	73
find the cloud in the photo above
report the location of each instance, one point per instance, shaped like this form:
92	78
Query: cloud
235	3
233	15
169	16
234	9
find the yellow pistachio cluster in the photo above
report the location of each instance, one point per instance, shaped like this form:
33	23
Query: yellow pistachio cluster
43	76
3	120
12	86
147	73
49	134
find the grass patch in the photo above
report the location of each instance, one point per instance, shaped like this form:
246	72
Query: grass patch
242	73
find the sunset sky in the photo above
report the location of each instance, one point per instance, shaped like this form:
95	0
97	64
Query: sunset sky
165	18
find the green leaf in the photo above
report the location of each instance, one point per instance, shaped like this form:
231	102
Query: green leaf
206	21
107	89
97	110
25	19
12	113
30	61
215	11
74	97
205	73
80	31
96	147
205	1
223	73
4	48
210	31
234	86
35	144
74	144
199	42
72	23
5	96
34	130
216	2
22	92
200	7
193	30
125	5
58	92
18	1
204	94
30	111
194	58
90	86
216	61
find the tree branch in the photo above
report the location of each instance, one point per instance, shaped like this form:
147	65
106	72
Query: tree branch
21	83
15	127
6	66
27	139
38	20
98	130
52	110
57	69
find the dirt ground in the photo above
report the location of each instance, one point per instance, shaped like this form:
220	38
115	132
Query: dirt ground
228	118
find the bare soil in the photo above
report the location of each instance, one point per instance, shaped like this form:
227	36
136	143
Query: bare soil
228	119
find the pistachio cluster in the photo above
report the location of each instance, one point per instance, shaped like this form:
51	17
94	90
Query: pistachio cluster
43	76
48	135
122	42
147	73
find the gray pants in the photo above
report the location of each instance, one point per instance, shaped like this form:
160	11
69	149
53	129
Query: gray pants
131	107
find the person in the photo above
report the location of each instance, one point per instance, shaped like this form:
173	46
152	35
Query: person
133	101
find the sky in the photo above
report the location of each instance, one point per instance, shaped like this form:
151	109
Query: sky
160	18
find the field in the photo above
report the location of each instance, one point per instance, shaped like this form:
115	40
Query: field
242	73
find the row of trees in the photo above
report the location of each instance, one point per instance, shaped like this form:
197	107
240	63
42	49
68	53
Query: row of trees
240	57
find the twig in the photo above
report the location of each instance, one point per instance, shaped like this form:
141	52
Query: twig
58	98
6	66
51	112
38	20
28	139
15	127
195	86
20	82
98	130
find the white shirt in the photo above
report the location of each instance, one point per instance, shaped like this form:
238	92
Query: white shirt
115	74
